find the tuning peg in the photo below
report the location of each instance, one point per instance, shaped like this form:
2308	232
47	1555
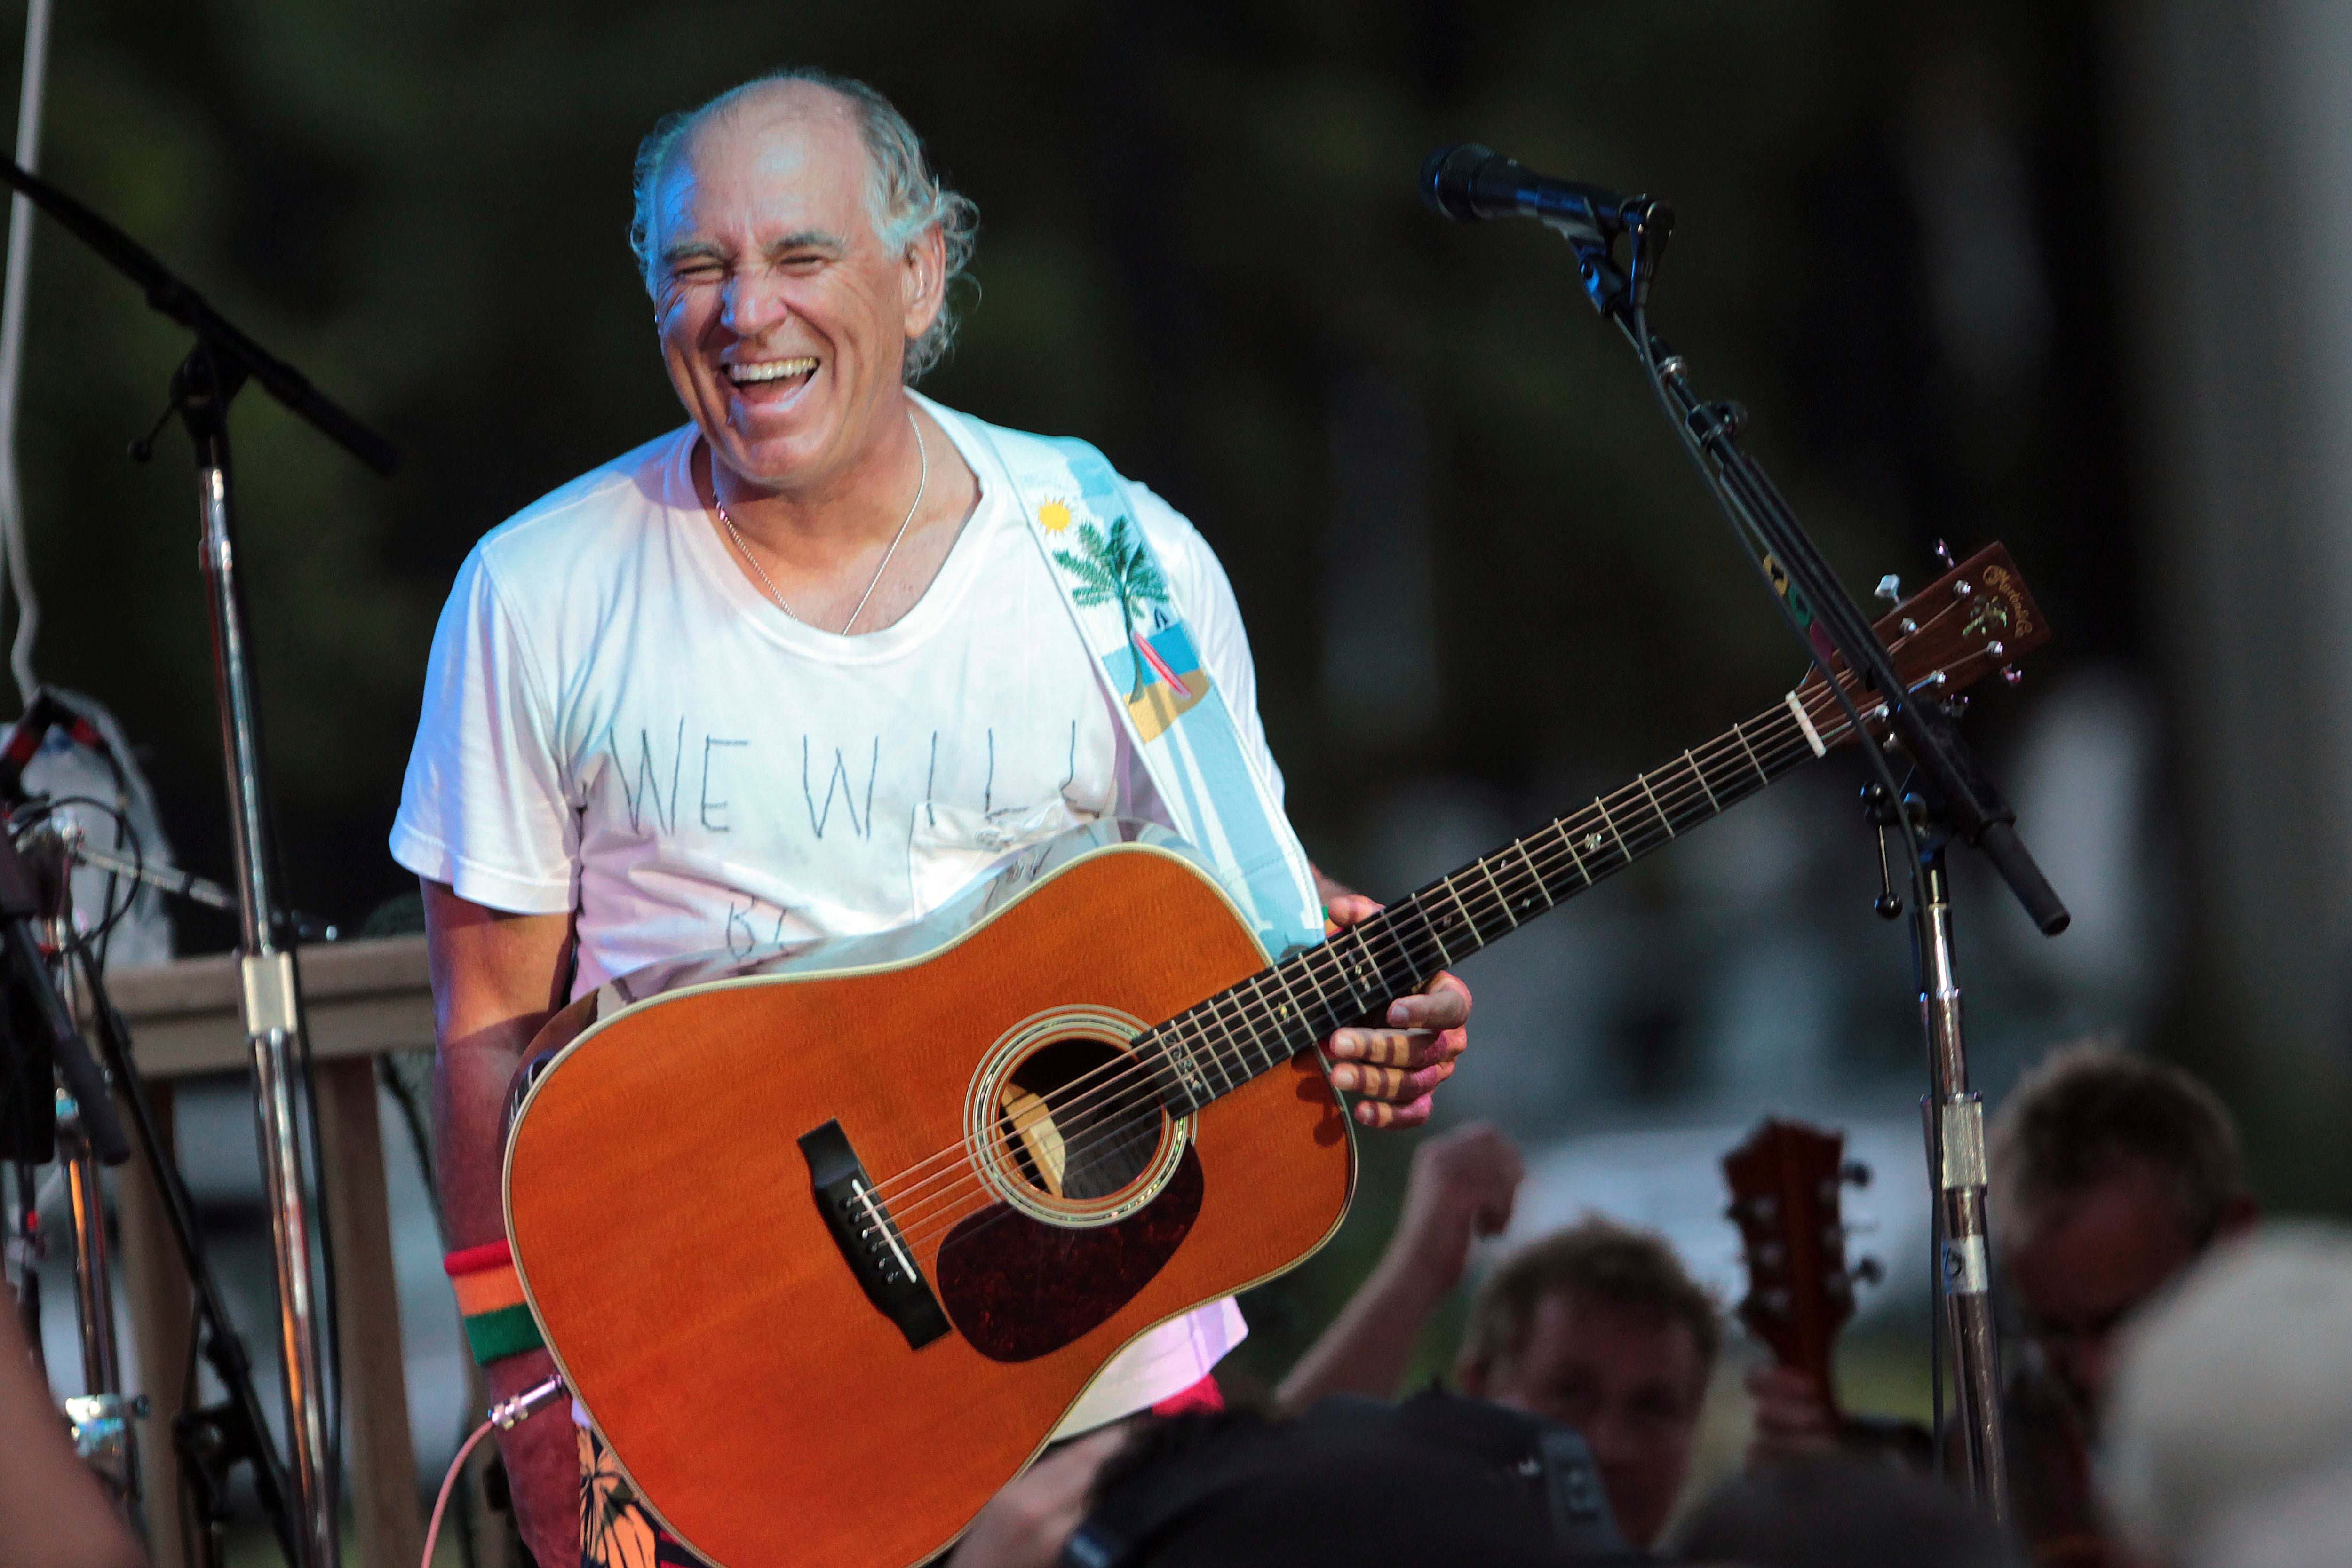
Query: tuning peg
2011	676
1890	589
1955	705
1856	1172
1963	589
1870	1271
1944	554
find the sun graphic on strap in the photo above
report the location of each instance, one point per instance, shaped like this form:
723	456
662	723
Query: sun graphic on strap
1053	517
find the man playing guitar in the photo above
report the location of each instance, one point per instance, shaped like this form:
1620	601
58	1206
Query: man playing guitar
788	672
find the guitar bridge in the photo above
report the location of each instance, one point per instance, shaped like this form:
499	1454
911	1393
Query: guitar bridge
870	1239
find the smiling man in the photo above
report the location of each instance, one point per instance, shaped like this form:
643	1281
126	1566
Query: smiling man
800	668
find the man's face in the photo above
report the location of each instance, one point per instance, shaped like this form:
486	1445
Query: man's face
2094	1259
783	322
1629	1383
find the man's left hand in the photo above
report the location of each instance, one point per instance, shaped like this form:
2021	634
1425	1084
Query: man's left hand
1392	1071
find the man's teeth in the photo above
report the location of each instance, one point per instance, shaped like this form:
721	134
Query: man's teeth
770	371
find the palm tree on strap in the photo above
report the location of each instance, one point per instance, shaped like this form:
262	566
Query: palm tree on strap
1117	569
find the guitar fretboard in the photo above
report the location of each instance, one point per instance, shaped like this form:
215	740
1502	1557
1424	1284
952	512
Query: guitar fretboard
1222	1043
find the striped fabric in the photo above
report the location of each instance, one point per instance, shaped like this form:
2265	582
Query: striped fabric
488	1290
509	1330
490	1300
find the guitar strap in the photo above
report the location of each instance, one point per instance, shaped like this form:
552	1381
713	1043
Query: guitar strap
1083	519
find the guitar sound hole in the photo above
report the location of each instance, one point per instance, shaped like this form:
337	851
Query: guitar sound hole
1080	1120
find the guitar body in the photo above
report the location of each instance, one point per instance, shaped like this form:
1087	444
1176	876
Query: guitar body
830	1245
676	1200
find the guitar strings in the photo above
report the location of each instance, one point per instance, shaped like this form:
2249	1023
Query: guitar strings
936	1227
1715	750
1783	748
1725	750
922	1224
919	1222
1784	752
1231	1007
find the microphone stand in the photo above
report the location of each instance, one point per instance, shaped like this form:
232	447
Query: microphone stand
221	360
210	1440
1953	796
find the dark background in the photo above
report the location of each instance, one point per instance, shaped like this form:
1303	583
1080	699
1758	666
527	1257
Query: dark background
1199	235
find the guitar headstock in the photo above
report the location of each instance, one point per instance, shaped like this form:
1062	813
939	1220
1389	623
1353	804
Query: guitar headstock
1976	619
1787	1181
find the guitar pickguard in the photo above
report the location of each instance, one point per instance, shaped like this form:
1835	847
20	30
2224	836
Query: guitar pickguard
1017	1288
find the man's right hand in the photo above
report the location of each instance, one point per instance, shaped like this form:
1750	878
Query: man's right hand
542	1458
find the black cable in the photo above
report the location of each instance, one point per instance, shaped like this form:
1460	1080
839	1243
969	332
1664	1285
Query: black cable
1932	1126
310	1154
112	914
89	949
1745	533
220	1342
1749	539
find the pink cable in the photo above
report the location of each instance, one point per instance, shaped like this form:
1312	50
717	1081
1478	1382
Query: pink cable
448	1483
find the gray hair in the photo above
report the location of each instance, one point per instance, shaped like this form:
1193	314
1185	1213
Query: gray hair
2090	1110
903	193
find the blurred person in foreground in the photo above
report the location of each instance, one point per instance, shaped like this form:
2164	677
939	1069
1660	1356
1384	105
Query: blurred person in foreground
2228	1433
2110	1175
1834	1511
1454	1481
1597	1327
53	1513
631	673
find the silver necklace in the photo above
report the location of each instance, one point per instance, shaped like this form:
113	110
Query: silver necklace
922	482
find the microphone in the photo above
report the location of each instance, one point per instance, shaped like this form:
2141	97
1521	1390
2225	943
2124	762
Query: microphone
1468	183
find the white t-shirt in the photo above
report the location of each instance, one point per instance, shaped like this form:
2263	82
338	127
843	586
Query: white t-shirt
617	723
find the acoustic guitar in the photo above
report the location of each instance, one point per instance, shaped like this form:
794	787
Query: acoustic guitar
829	1243
1787	1186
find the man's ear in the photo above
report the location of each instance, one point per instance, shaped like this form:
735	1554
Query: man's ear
923	278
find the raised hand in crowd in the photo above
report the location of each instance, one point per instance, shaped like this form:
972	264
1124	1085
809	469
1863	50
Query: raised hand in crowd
1463	1184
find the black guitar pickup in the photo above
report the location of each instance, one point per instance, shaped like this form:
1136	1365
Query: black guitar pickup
869	1240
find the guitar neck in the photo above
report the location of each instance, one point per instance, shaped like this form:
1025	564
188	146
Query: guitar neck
1225	1041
